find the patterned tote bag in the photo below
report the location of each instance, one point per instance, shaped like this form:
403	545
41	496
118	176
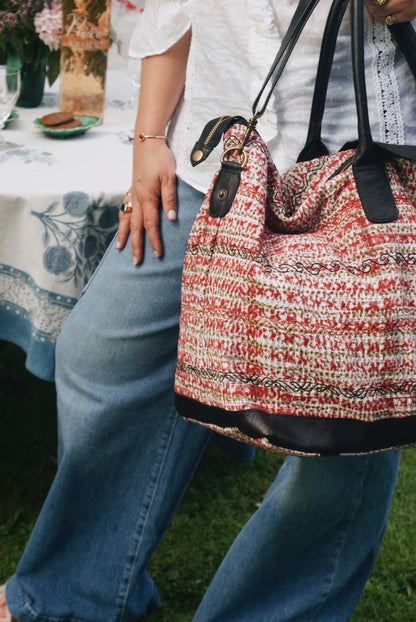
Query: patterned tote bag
298	317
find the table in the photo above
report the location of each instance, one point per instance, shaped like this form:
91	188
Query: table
59	201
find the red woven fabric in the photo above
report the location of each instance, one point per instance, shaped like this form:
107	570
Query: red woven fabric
294	302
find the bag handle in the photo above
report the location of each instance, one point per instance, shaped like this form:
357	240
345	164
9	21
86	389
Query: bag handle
368	163
314	147
405	37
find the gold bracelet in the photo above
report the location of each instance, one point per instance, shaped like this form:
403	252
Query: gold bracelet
142	137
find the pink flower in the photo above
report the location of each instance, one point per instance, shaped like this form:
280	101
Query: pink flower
48	25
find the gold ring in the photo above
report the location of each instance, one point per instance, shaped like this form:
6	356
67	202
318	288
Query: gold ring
380	3
126	207
391	19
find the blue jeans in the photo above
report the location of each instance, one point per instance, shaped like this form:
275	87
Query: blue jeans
307	552
125	458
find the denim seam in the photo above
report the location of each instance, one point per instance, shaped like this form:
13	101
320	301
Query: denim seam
342	544
143	522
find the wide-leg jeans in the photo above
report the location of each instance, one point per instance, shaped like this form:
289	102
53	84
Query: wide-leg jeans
125	458
307	552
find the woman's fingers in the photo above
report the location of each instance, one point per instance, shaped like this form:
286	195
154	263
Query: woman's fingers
392	11
154	183
168	195
124	216
145	219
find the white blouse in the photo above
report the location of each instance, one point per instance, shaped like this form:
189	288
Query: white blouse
233	46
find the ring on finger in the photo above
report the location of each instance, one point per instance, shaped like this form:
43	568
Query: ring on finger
380	3
126	207
391	19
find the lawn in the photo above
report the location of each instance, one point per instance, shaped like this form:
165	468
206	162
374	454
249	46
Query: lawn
220	498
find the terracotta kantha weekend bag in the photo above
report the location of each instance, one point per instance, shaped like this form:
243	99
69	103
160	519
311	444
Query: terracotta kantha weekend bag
298	318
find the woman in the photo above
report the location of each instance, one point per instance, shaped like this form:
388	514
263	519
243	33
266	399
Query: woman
125	457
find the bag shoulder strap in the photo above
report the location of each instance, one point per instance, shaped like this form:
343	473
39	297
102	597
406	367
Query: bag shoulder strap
299	19
214	129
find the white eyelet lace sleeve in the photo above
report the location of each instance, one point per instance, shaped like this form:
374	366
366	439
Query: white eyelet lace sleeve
159	26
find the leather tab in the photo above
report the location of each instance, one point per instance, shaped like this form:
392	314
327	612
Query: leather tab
225	189
375	192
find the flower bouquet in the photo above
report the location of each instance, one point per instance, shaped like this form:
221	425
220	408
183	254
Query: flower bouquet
31	30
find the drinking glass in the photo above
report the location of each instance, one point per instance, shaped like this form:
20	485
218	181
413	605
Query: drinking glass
9	92
123	21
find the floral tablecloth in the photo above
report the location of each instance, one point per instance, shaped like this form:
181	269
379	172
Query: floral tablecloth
59	201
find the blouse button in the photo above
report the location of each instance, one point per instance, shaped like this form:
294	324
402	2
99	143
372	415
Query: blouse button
258	29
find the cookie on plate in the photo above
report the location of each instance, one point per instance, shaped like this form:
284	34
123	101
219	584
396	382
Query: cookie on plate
67	126
55	119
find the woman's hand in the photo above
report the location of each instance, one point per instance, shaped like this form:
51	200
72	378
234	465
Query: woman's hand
394	10
154	167
154	180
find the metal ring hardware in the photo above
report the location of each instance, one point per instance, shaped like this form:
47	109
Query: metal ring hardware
236	148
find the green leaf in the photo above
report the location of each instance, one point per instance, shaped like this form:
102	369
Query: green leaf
53	66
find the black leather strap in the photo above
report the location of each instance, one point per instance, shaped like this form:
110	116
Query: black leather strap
368	163
214	129
314	147
301	15
405	37
228	179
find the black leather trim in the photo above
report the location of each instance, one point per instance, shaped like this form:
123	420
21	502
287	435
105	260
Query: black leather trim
323	436
375	192
225	188
405	37
408	152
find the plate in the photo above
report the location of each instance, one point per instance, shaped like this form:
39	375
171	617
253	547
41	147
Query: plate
87	124
12	117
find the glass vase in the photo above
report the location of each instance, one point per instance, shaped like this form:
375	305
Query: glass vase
32	79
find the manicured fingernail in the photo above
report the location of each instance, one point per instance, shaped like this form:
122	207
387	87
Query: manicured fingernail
118	245
172	214
135	261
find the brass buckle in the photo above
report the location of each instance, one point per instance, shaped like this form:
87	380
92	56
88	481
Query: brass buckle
250	127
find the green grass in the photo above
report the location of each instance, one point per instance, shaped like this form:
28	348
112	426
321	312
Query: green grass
220	498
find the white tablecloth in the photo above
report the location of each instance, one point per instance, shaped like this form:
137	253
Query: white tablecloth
59	201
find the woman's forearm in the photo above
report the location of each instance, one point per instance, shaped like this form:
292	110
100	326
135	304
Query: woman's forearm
154	167
162	83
